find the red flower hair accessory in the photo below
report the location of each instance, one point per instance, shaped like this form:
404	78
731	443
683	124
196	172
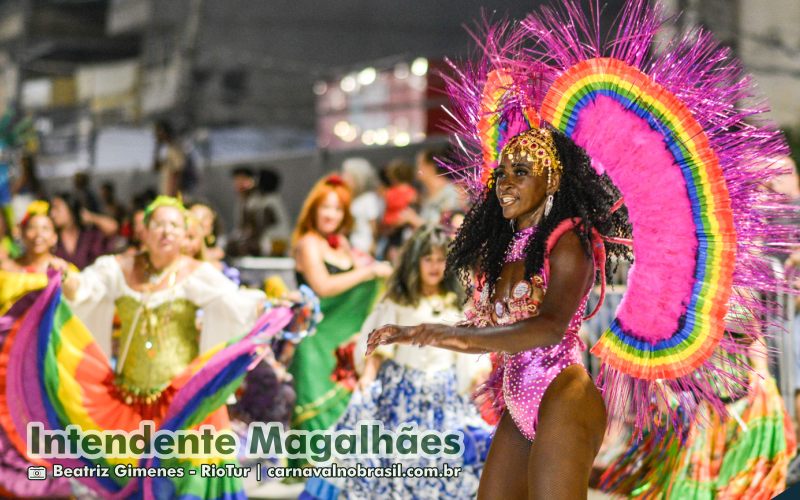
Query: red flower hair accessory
334	180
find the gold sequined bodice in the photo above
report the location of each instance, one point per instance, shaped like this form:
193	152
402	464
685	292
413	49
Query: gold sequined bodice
164	341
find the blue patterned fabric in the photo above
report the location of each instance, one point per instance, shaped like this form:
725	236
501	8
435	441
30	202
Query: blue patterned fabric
402	395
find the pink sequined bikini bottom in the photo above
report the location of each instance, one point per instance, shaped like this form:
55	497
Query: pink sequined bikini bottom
528	374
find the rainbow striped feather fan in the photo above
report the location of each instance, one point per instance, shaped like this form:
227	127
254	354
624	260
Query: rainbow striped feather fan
665	125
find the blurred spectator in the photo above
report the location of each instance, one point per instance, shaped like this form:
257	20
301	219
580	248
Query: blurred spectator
81	182
82	235
262	223
113	209
110	205
195	244
439	194
28	180
399	196
367	204
169	160
133	227
325	262
25	188
452	221
788	185
276	236
137	228
209	223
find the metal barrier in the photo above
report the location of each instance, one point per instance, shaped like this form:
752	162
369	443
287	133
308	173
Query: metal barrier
788	353
784	339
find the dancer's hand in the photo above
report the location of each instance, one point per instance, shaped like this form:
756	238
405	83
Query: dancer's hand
59	265
425	334
69	281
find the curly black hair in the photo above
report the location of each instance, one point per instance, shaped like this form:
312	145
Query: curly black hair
481	242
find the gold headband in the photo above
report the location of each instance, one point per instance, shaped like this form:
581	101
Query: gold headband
536	146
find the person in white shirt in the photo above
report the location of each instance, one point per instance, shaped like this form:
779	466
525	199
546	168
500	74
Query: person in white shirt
367	206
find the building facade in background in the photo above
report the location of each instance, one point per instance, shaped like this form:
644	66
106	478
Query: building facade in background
298	84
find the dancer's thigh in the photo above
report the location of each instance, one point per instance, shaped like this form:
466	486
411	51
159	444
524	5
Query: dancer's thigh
572	422
504	473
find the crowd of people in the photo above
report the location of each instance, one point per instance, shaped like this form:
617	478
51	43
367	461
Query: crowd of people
154	284
387	204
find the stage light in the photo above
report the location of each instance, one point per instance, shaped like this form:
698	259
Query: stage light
367	76
402	139
341	128
368	137
420	66
351	135
348	83
320	88
381	137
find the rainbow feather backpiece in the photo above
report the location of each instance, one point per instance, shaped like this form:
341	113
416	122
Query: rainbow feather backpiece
51	361
676	129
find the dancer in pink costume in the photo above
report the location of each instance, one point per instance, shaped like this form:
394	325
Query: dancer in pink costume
549	395
576	152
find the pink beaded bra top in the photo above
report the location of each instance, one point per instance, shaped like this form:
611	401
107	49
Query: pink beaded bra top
525	295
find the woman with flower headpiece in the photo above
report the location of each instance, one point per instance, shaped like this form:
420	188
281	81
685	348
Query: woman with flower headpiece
164	371
563	135
145	284
347	288
39	238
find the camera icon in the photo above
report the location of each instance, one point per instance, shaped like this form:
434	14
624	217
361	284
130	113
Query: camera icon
37	473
